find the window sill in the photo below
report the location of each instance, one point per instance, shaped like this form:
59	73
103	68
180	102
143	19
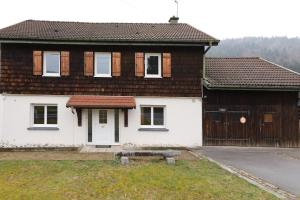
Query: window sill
102	76
43	128
48	75
152	76
154	129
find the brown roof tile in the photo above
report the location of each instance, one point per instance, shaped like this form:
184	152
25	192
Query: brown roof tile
101	102
248	73
99	32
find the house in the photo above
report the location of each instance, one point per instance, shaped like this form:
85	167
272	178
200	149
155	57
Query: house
250	102
141	84
74	84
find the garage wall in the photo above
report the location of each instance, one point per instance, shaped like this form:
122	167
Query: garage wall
283	132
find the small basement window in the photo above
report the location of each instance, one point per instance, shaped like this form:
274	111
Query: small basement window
216	116
44	115
153	65
152	116
103	64
51	63
268	118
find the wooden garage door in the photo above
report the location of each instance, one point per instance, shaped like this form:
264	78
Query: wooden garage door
226	127
214	127
269	125
242	126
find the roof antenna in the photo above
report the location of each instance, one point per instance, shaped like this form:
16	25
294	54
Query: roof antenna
174	19
176	7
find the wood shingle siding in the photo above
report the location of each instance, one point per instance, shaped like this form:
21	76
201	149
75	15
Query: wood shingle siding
139	64
116	64
65	63
37	63
17	77
167	65
88	63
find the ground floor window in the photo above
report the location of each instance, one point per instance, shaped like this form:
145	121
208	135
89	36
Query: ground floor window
152	116
44	115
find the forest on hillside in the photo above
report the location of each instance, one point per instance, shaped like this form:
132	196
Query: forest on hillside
280	50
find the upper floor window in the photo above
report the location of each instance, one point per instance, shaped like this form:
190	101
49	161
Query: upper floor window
103	64
51	63
153	65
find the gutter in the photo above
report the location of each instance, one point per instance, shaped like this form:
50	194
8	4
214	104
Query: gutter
108	43
241	88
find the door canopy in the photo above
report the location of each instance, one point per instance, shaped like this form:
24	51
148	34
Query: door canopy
123	102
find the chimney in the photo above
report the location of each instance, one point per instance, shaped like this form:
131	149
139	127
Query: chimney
173	20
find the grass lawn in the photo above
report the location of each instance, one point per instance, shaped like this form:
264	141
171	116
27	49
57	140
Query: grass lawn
154	179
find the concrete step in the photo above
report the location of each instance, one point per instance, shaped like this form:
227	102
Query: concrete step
100	149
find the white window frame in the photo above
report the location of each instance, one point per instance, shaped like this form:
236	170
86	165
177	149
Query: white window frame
45	64
159	65
152	116
95	64
45	116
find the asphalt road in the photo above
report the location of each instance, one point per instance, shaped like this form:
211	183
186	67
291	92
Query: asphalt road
281	167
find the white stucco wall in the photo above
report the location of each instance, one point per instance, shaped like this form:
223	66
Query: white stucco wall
183	120
17	110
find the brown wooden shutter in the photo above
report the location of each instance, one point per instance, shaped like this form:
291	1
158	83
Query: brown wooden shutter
139	64
37	63
116	64
65	63
88	63
166	64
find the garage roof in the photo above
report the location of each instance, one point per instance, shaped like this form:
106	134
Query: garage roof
248	73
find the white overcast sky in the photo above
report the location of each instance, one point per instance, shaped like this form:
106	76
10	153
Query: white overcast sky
219	18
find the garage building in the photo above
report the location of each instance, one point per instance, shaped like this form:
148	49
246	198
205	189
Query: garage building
250	102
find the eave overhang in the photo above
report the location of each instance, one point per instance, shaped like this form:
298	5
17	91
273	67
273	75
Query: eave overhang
104	102
113	42
209	86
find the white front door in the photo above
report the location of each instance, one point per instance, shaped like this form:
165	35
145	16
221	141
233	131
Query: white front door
103	127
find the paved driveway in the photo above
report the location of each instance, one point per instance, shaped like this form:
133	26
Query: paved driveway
281	167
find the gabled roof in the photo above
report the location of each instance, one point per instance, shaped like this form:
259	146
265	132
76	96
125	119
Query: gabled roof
105	32
248	73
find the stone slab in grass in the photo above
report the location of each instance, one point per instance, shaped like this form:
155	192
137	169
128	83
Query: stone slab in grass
163	153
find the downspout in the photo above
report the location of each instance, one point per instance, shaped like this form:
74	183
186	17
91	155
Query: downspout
204	70
202	90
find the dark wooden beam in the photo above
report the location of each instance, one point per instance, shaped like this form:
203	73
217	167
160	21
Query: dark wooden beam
116	125
207	49
79	116
90	125
125	117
